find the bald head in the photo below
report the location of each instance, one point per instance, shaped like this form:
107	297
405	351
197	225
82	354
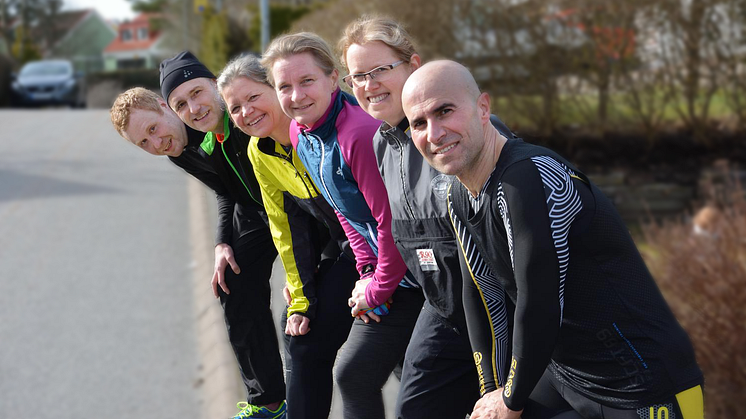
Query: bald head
447	115
440	77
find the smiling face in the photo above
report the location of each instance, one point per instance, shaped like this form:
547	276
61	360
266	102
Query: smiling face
381	99
446	121
198	104
253	107
160	134
304	91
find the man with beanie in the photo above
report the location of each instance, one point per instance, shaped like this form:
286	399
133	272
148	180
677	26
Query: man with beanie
244	244
243	238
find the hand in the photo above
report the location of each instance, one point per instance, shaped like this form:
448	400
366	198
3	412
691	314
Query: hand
286	294
297	325
368	316
492	406
357	300
223	258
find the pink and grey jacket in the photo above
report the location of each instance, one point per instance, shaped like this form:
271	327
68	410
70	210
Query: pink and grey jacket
338	153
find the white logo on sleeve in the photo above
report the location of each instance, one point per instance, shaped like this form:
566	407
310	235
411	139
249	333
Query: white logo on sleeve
427	260
439	184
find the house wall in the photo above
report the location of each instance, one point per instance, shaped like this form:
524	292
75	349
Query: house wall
84	44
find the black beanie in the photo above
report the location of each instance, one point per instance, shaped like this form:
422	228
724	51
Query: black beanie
183	67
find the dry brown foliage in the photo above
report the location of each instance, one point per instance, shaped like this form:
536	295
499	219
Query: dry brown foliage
703	277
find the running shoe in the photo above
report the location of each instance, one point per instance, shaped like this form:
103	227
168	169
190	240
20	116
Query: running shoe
259	412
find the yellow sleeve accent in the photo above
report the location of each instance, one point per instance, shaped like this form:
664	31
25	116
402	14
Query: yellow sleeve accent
279	225
691	403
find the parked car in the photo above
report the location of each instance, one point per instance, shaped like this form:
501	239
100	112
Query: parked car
49	82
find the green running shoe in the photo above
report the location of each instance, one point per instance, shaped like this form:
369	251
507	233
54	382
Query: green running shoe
259	412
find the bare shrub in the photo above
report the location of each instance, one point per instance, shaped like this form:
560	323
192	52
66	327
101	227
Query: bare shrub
702	274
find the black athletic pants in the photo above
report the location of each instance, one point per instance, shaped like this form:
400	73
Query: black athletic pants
372	352
251	329
439	377
312	356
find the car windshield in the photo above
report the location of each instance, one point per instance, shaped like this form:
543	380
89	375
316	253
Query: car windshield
46	68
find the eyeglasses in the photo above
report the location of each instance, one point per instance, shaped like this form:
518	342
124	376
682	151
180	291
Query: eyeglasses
378	74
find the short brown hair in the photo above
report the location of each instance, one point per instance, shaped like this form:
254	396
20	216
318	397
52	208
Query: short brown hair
298	43
368	28
135	98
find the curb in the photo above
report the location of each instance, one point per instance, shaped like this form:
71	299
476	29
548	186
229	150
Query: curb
218	374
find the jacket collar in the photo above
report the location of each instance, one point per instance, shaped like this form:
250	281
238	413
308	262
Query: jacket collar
400	132
208	143
326	124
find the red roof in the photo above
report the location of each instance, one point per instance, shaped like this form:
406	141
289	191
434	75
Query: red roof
134	42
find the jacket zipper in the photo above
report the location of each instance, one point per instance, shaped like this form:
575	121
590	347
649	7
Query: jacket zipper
289	159
308	181
403	179
222	147
321	173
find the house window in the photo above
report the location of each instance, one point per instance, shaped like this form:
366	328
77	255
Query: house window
131	63
142	33
126	35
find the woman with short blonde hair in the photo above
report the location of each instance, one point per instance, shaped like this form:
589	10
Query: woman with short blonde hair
332	136
298	43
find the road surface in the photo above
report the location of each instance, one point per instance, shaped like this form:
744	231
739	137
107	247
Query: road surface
105	257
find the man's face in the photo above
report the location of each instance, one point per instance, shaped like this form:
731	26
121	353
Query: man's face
446	126
198	104
160	134
380	97
304	91
253	107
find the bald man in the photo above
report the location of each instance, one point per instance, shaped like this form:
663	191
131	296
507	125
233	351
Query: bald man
592	332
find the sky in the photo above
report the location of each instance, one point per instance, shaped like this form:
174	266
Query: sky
109	9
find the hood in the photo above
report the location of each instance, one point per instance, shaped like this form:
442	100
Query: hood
43	80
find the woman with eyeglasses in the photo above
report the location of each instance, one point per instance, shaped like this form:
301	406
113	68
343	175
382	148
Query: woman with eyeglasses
318	261
333	138
380	55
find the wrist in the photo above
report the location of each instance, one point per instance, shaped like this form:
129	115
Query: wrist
367	271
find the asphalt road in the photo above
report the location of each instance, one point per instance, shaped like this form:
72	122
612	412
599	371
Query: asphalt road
95	319
101	292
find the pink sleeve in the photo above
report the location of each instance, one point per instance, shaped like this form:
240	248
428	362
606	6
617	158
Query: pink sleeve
356	140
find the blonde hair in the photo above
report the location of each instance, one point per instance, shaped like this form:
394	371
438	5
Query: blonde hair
298	43
125	103
369	28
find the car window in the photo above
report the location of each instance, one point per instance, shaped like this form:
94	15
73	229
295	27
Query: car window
46	68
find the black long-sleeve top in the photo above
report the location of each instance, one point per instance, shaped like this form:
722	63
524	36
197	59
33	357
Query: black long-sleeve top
586	306
227	171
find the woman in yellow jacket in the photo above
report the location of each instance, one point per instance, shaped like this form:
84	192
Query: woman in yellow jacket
314	250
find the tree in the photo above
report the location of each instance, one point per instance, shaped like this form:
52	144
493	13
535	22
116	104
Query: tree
41	14
281	19
213	49
23	49
690	39
730	53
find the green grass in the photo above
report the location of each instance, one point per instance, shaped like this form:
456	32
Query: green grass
581	111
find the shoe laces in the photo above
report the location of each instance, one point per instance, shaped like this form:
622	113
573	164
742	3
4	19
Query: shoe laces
247	410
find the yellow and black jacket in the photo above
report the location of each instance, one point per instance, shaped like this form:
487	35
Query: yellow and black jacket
304	227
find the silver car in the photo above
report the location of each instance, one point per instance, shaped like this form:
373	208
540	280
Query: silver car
49	82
